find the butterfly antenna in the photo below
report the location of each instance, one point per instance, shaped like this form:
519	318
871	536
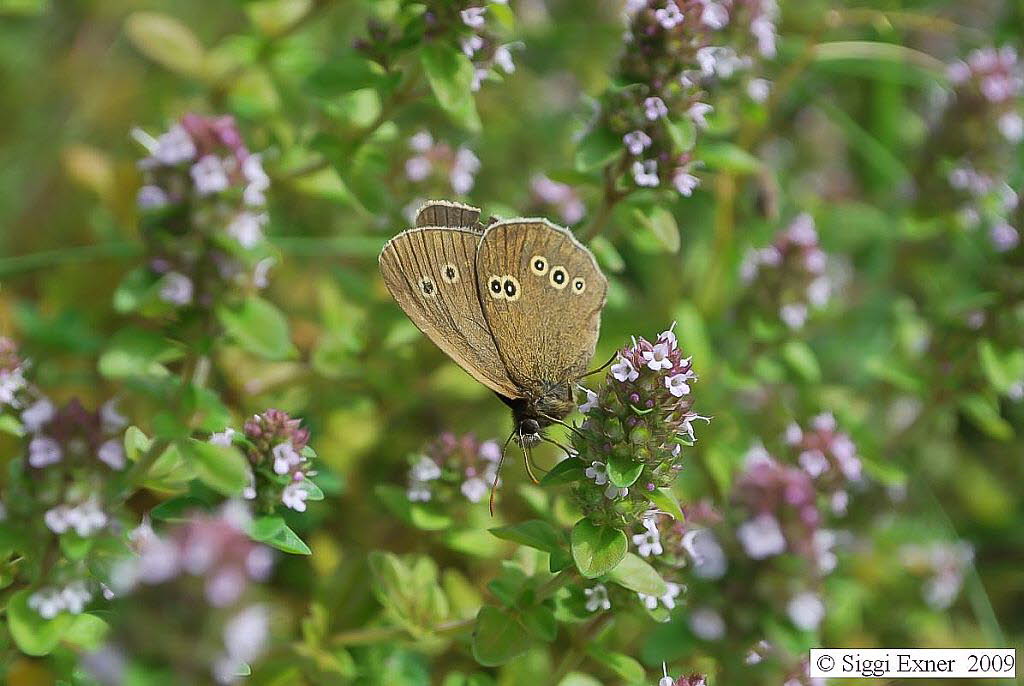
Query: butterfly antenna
567	426
528	457
497	472
603	366
568	451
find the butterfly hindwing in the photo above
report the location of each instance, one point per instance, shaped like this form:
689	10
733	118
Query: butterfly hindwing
445	213
546	317
430	272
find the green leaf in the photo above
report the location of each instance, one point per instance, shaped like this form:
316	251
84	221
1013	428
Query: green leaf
533	533
984	413
568	470
728	157
598	148
138	353
683	134
607	255
9	424
636	575
273	531
498	637
86	632
801	358
421	515
597	549
136	443
579	679
177	509
221	467
666	501
623	470
539	621
343	75
166	41
31	633
662	224
450	74
624	666
258	327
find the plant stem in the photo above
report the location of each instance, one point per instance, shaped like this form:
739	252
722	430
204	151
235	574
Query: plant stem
577	651
137	473
609	199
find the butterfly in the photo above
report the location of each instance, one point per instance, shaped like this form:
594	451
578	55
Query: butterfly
516	303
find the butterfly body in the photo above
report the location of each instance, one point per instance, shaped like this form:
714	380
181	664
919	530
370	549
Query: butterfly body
516	303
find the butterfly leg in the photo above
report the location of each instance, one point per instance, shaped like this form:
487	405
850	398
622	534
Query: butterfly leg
568	451
554	420
528	458
497	472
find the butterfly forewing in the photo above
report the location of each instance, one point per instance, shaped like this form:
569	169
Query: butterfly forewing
542	295
447	213
430	273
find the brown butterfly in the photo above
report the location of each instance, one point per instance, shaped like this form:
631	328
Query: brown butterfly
515	302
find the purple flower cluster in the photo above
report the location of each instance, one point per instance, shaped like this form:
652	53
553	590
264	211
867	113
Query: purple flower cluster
452	468
278	450
789	274
213	548
678	50
480	44
437	163
636	425
558	197
828	456
203	207
12	375
942	565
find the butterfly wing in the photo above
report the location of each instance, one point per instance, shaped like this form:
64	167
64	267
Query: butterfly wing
430	273
448	213
542	294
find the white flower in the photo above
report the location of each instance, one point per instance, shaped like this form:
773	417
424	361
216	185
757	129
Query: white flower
707	624
769	256
261	271
245	634
826	421
598	472
801	231
763	30
623	370
473	17
111	453
1004	237
806	610
645	173
75	596
418	168
698	113
1011	125
714	15
823	542
649	542
591	402
669	16
474	489
257	181
657	357
839	501
794	315
815	260
294	496
87	518
418	492
709	561
36	415
247	228
47	602
688	421
224	437
11	381
759	89
285	457
597	598
636	142
503	58
151	198
685	182
479	75
668	599
425	470
1015	391
174	146
676	384
209	175
421	141
176	289
43	451
56	519
463	173
654	108
613	492
794	434
669	336
471	44
818	291
756	455
813	462
761	537
112	420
